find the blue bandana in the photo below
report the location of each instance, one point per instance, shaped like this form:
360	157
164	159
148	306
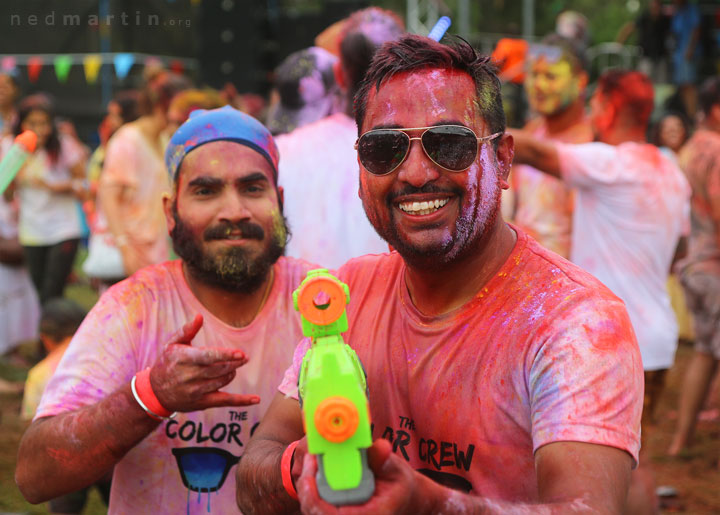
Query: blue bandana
223	124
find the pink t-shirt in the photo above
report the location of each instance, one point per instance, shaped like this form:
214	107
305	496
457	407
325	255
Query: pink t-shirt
187	464
543	353
632	204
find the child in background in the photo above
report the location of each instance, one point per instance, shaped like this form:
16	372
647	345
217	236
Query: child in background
59	320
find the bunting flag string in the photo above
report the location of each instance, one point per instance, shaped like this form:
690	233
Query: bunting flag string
9	64
62	67
122	62
34	67
91	67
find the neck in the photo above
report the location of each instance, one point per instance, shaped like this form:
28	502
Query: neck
625	135
710	123
151	126
559	122
435	292
236	309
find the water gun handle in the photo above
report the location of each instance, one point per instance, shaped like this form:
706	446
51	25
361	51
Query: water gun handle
15	158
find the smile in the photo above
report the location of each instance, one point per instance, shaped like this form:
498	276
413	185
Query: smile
422	208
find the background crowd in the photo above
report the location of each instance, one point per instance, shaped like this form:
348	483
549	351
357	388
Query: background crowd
94	216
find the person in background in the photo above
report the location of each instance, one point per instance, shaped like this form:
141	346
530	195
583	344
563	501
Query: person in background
510	55
319	165
700	270
631	209
59	321
134	179
19	306
121	110
653	29
305	91
685	28
49	188
555	85
187	101
670	132
8	96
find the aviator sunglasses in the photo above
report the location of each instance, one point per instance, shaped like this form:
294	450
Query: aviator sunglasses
451	147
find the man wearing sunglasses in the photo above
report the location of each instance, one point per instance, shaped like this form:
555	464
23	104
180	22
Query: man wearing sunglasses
555	83
498	373
631	209
173	368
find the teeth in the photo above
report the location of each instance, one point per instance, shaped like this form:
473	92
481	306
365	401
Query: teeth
423	208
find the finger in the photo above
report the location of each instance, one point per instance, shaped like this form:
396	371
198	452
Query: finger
378	454
299	458
219	399
219	369
211	385
189	330
209	356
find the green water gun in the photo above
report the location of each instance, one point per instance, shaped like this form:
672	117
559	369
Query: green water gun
333	393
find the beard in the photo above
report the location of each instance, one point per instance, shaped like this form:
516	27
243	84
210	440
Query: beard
233	269
473	223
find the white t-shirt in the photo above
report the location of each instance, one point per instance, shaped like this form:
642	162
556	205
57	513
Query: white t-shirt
187	464
19	305
319	172
47	218
631	208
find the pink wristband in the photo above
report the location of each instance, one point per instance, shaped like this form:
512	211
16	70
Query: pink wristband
285	464
147	396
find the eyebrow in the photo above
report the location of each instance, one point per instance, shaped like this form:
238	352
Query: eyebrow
253	177
205	181
436	124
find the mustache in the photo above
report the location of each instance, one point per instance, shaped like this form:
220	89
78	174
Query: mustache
222	230
430	187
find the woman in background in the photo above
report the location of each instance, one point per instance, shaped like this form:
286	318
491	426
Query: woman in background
49	188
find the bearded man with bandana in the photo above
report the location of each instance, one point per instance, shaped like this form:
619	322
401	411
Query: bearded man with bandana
174	367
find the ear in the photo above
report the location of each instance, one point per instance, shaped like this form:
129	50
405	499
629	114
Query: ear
168	201
340	76
504	155
281	197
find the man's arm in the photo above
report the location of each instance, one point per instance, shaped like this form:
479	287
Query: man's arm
537	153
573	477
259	483
70	451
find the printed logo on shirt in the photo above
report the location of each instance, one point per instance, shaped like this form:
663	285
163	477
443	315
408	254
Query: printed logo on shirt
439	455
205	469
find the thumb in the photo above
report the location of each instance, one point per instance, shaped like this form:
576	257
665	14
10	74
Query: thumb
188	331
378	454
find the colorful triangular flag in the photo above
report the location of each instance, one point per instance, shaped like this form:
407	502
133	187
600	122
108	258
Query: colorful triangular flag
8	64
62	67
91	66
177	66
123	63
34	65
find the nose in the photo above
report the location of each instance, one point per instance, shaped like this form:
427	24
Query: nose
234	207
417	169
